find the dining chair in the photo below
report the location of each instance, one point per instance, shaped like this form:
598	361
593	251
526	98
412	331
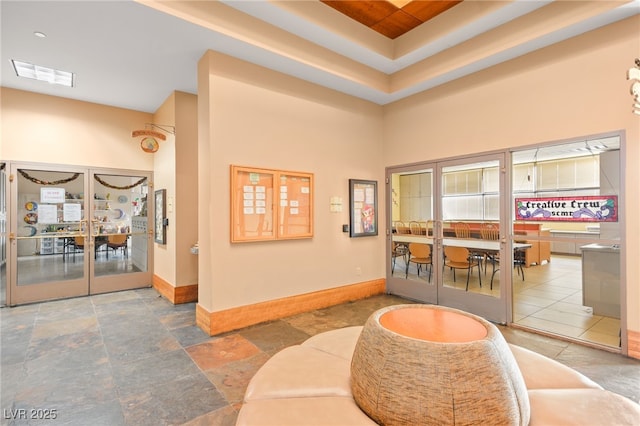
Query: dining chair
420	254
490	232
461	258
77	244
518	262
401	228
398	250
116	242
415	228
428	228
462	230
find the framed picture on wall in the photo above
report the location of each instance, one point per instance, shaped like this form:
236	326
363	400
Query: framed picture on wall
160	222
363	208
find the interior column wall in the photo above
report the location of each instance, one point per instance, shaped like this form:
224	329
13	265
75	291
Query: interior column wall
255	117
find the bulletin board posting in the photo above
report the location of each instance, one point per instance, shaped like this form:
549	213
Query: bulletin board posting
269	204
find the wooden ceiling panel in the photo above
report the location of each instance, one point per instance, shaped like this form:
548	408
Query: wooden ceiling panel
396	24
366	12
426	10
391	18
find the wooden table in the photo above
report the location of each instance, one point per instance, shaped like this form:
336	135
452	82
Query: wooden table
434	325
474	244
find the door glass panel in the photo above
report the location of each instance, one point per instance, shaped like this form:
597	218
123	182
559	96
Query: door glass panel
119	224
50	209
470	218
412	234
569	280
3	236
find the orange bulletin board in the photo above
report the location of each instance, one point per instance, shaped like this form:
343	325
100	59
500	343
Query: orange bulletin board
270	204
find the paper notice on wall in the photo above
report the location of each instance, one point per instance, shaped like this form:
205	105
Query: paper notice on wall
47	213
52	195
248	210
71	212
293	210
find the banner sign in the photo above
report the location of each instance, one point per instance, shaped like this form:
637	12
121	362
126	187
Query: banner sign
593	208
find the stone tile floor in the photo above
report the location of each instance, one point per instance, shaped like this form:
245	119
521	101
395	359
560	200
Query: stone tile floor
132	358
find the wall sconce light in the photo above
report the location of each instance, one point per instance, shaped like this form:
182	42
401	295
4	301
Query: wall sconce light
149	142
634	75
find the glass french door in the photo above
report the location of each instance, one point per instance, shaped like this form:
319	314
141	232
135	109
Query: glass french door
412	272
76	231
471	237
3	234
447	238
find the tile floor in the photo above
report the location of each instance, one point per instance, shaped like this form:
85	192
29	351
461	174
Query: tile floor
132	358
549	299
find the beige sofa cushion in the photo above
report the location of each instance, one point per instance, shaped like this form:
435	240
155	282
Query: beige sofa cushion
300	371
314	411
580	407
339	342
540	372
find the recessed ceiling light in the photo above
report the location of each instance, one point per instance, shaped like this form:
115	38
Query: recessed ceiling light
39	34
37	72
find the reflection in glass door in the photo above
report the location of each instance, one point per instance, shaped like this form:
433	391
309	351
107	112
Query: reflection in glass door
472	237
75	232
119	231
411	241
447	241
3	235
574	281
47	216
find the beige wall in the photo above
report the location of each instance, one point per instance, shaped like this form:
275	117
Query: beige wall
575	88
185	202
251	116
48	129
176	171
164	177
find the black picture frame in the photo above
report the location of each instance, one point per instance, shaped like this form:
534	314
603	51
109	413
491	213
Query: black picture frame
160	223
363	208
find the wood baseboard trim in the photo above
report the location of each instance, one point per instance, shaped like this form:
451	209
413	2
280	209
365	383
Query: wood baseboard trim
175	295
218	322
633	344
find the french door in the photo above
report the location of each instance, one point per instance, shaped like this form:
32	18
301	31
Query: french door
448	241
76	231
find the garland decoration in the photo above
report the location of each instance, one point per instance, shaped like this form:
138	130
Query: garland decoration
142	180
43	182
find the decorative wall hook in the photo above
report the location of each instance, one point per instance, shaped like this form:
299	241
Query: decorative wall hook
149	142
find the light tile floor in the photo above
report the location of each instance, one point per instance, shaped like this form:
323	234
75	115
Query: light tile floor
132	358
549	299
